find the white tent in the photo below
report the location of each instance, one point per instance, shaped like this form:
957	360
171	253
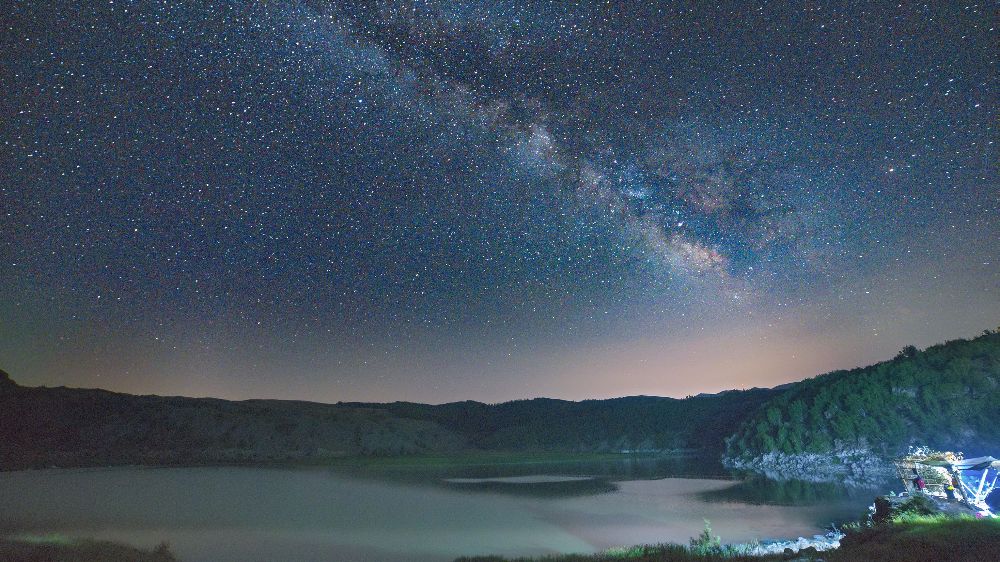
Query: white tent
977	477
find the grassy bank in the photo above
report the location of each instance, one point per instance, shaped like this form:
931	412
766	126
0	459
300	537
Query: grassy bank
642	553
923	539
57	548
906	539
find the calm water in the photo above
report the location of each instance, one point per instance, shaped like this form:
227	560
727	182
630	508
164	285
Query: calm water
265	514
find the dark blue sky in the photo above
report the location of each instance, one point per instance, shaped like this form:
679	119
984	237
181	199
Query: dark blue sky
443	200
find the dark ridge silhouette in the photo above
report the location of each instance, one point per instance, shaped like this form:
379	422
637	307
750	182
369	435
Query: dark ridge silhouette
944	396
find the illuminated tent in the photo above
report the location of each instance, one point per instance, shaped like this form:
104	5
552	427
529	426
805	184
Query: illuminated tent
973	479
978	463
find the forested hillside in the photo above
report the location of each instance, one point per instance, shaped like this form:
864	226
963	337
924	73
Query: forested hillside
636	423
81	427
42	427
947	397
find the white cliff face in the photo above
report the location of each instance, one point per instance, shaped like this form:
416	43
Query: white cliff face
844	465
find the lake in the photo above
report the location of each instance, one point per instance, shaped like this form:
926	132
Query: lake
425	512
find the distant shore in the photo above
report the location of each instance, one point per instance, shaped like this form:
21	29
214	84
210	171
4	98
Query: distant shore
470	458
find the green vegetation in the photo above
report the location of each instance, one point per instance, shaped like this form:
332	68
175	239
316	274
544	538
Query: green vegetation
911	539
915	530
911	532
706	543
636	423
41	427
946	396
56	548
705	547
640	553
927	538
886	513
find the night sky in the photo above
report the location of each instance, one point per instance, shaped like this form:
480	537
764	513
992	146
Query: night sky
448	200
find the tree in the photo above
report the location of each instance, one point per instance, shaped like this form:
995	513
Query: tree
705	543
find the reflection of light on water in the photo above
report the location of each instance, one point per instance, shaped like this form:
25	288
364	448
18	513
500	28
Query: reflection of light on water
229	514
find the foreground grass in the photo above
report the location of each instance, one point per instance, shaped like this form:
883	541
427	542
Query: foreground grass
56	548
906	539
643	553
640	553
923	539
705	547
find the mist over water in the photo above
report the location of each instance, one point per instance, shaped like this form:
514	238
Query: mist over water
263	514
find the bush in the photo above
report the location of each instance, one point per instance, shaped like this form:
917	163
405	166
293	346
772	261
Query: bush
705	544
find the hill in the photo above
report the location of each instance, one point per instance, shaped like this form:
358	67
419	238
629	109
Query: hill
42	427
946	397
635	423
80	427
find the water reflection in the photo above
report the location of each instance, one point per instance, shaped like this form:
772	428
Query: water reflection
625	467
579	477
758	490
542	489
595	477
417	513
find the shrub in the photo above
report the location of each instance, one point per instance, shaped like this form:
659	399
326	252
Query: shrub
705	543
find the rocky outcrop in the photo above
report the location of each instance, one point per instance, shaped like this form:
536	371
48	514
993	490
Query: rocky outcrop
851	466
802	545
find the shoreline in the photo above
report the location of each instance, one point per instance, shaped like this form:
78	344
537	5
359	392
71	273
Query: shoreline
854	467
468	458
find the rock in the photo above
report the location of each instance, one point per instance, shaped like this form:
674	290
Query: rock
850	466
798	547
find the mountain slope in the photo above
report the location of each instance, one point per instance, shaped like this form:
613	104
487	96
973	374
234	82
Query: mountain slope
632	423
80	427
947	397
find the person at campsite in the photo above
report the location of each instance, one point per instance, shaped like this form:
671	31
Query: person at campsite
918	481
953	487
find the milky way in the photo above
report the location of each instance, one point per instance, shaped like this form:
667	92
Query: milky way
441	200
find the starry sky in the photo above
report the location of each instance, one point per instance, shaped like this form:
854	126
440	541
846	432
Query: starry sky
468	199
